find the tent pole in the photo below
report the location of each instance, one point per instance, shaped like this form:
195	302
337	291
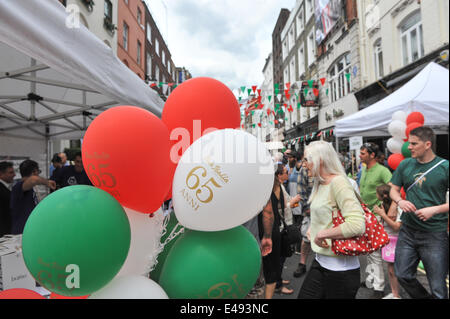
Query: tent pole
337	144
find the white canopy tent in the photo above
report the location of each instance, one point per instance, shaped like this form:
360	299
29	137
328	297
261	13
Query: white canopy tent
427	92
54	79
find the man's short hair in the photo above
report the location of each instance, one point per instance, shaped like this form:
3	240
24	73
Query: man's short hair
425	134
77	154
371	148
4	166
56	158
27	167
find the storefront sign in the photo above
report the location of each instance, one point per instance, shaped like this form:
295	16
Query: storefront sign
309	96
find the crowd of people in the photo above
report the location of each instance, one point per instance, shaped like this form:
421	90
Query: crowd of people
319	180
19	198
308	188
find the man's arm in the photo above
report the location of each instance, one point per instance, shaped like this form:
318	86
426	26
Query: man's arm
32	181
268	218
406	206
426	213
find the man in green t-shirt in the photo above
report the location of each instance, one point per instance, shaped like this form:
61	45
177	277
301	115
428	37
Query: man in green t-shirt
423	234
373	175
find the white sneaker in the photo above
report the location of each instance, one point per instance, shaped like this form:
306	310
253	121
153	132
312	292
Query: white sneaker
391	296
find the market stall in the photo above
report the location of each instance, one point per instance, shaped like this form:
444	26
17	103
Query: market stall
427	93
55	79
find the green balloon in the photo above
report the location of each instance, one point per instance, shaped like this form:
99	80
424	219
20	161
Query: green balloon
76	240
405	151
155	274
212	265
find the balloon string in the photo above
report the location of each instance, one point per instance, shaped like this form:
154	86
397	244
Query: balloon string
160	247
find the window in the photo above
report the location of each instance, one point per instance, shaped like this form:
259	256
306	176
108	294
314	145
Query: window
338	84
293	78
378	55
157	46
157	75
139	15
163	57
286	75
149	65
126	2
301	60
411	35
291	38
300	23
285	49
125	36
309	9
311	48
149	33
108	10
139	48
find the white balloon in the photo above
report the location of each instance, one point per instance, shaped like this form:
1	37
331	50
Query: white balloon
130	287
397	129
222	180
400	116
395	145
145	237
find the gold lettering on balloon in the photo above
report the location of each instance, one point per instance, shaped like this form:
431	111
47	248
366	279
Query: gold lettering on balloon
224	290
190	200
204	186
53	276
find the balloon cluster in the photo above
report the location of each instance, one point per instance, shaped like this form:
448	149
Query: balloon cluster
400	127
97	241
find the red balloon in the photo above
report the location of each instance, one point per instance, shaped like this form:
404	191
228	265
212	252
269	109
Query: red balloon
56	296
126	153
197	105
20	293
394	160
415	117
411	127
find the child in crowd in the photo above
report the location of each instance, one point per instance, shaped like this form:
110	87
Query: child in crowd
392	226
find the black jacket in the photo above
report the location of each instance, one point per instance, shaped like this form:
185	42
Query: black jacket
5	217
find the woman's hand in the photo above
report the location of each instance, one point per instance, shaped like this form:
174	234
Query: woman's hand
320	240
379	210
295	200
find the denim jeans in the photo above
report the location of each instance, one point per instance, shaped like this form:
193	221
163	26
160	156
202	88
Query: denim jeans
430	247
321	283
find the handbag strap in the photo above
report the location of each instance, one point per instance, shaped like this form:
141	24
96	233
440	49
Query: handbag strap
423	175
334	202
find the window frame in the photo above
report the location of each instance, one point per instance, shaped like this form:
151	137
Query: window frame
138	52
149	33
377	52
406	34
338	85
311	42
300	22
109	4
157	46
125	35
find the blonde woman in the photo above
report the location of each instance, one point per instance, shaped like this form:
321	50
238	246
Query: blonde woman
331	276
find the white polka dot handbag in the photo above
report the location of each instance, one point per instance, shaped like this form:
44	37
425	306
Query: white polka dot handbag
374	238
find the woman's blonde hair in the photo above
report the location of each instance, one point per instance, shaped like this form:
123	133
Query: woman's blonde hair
321	152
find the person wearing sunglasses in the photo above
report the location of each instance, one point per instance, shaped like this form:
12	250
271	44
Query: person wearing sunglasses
23	196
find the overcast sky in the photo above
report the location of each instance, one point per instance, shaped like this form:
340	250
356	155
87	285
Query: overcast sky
228	40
